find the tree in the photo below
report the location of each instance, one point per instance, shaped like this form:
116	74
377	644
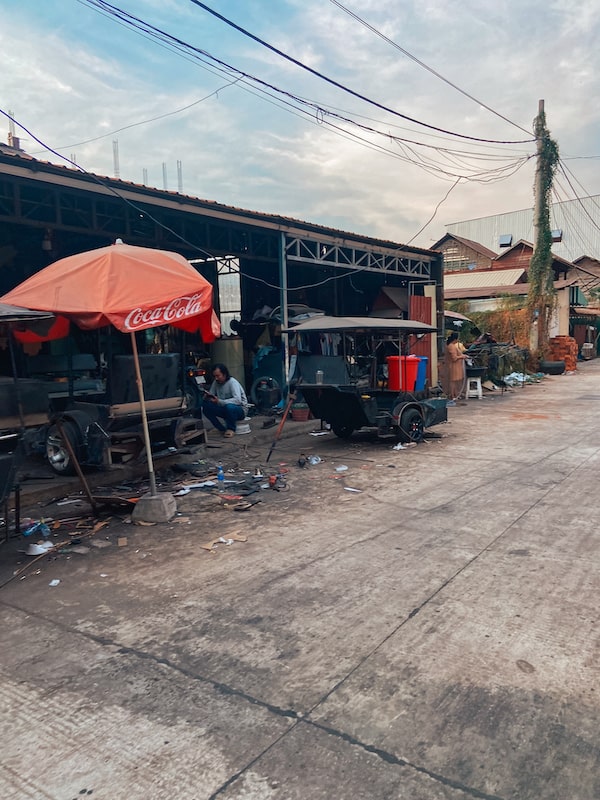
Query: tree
541	294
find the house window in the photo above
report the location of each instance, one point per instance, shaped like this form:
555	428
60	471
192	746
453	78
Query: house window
454	260
230	295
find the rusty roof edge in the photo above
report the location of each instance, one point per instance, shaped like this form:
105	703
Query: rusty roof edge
494	291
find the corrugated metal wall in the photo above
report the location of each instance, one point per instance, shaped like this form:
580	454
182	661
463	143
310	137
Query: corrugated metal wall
578	220
420	309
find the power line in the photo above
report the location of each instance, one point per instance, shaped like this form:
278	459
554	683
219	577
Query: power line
569	218
104	184
435	210
588	194
580	201
478	145
577	158
424	65
145	213
173	46
322	114
336	83
145	121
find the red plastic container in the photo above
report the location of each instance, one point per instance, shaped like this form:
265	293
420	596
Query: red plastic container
402	373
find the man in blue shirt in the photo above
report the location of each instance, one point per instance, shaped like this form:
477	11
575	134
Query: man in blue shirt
225	400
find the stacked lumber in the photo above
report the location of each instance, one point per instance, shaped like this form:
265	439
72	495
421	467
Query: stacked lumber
564	348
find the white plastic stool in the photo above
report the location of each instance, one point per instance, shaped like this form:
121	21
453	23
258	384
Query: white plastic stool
474	388
243	426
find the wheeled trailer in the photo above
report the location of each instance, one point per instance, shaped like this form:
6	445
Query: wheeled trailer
356	390
402	415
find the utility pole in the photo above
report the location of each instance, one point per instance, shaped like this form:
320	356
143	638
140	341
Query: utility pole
537	186
541	294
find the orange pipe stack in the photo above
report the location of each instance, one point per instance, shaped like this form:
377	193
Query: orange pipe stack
564	348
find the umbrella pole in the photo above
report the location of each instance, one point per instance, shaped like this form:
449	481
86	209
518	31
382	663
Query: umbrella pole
140	386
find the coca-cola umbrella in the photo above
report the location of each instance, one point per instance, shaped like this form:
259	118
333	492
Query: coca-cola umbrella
132	288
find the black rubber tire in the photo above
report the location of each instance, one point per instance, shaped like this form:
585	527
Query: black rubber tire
342	431
193	399
411	425
552	367
254	398
57	454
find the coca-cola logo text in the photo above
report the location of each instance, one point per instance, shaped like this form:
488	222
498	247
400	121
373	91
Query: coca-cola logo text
164	315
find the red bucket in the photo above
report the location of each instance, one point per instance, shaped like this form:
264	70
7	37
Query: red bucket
402	373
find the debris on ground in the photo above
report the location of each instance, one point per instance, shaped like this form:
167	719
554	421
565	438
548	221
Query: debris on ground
231	538
38	527
519	378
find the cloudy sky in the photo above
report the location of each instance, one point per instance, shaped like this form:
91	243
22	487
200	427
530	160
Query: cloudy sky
78	79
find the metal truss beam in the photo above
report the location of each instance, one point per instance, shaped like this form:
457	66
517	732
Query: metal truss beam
85	210
376	259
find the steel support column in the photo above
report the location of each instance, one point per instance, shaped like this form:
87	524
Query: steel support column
284	307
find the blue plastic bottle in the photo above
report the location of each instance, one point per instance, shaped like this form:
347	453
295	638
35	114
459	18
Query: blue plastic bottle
220	478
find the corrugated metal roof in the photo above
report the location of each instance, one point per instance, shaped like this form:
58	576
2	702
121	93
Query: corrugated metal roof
525	245
475	280
496	291
455	315
476	246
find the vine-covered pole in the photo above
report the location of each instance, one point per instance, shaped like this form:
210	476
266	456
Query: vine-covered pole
541	294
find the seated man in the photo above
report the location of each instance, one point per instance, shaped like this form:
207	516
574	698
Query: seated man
225	400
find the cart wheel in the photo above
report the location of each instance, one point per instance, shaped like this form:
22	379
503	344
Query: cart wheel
411	425
193	400
56	452
342	431
255	395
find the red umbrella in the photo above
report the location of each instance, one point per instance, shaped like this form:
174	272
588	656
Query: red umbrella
129	287
132	288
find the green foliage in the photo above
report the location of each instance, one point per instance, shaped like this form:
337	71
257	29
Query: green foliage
541	296
458	306
509	322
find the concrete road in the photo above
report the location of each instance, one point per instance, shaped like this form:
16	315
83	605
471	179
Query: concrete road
433	636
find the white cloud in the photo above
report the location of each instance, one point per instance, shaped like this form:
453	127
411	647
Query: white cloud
87	76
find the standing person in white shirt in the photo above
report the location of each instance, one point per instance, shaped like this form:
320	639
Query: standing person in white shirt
225	401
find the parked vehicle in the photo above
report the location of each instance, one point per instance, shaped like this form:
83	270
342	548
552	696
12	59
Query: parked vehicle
197	375
101	418
352	392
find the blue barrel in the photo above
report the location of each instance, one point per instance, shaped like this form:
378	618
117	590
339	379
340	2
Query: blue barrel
421	374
